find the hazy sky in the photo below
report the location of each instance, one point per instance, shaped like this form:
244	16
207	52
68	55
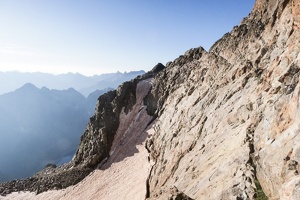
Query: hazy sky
100	36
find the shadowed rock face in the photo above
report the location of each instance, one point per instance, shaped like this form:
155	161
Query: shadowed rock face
98	137
225	122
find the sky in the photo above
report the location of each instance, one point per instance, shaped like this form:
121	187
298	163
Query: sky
103	36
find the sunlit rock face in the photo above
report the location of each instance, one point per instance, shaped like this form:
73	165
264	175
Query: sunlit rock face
216	124
229	117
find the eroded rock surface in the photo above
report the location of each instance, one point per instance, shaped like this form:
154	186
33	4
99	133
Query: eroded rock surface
230	116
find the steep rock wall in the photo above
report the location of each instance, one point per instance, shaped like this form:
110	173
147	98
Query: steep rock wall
98	137
229	117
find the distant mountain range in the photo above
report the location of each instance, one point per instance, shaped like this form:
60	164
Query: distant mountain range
40	125
10	81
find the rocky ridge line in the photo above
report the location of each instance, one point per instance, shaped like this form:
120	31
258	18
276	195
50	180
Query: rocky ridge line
227	118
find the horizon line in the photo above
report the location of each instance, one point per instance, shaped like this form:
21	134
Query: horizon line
65	73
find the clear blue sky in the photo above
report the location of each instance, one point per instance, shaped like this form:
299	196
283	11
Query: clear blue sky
100	36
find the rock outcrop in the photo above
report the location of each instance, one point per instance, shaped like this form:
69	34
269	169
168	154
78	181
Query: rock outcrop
227	118
98	137
221	124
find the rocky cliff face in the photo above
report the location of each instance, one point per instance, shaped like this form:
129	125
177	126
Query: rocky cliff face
223	123
97	140
228	117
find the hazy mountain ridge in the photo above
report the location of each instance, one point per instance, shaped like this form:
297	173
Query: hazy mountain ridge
39	126
83	84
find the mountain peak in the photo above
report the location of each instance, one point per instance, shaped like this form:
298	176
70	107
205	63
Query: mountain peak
28	86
